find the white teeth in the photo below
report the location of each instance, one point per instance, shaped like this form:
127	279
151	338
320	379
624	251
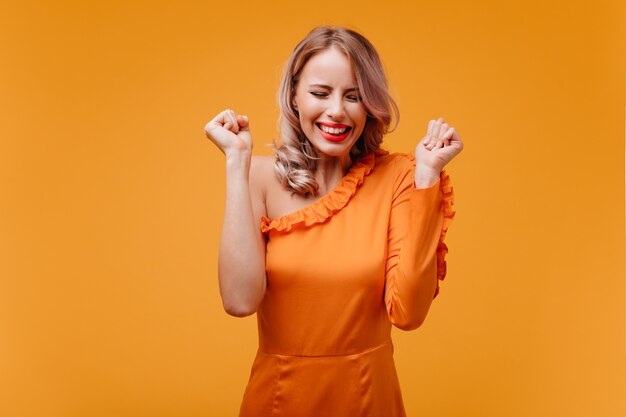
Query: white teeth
333	130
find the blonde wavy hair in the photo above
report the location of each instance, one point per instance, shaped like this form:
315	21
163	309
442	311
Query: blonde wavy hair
296	157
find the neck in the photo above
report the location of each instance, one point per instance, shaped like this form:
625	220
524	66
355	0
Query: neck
330	170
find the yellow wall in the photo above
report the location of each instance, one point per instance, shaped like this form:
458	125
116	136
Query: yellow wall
111	200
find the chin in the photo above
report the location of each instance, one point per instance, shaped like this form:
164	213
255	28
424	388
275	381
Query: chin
334	150
328	148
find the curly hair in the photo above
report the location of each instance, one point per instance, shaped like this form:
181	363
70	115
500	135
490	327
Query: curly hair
296	157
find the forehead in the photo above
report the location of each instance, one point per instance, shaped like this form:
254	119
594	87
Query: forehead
331	67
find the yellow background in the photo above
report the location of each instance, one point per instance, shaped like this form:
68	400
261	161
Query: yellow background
111	200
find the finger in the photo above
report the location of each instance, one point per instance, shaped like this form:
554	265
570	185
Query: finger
426	140
244	122
211	128
216	122
227	121
431	124
455	137
208	127
221	118
436	128
232	117
446	142
456	141
444	130
448	133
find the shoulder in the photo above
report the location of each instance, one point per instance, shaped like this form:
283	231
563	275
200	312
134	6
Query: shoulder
397	169
403	158
397	163
262	163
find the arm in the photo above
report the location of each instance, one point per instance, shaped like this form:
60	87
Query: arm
415	257
241	263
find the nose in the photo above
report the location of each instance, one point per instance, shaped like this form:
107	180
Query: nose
335	108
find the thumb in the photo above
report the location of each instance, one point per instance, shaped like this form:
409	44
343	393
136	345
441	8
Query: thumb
244	122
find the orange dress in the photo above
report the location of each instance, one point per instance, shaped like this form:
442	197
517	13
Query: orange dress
340	272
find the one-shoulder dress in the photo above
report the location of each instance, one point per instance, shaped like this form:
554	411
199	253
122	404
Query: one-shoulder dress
340	272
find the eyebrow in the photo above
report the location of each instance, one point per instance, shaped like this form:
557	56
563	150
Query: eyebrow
330	88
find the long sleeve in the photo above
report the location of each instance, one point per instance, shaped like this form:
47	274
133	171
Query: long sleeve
415	251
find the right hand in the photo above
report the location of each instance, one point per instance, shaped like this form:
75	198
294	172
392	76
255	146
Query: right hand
230	132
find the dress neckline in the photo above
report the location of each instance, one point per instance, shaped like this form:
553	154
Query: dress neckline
330	203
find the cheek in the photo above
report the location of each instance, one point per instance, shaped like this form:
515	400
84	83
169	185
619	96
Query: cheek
359	116
362	123
306	124
309	114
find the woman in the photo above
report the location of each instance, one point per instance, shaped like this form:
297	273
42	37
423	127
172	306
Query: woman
331	240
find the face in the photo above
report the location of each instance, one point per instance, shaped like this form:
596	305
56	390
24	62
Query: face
331	113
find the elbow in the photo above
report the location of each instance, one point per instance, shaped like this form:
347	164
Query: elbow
239	306
409	323
239	303
239	310
407	319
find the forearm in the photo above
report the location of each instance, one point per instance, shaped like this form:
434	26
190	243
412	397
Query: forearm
425	177
241	263
411	285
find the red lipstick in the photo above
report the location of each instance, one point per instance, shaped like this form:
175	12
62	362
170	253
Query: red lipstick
332	137
335	125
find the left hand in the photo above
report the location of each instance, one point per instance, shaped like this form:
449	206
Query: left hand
438	147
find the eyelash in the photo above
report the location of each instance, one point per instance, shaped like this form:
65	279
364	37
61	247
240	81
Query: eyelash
322	95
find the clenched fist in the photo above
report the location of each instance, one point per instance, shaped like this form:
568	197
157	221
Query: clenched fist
230	132
438	147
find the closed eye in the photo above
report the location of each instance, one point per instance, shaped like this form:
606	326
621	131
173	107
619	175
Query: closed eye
321	95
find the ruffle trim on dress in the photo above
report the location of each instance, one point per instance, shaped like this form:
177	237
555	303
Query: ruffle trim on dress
329	204
447	197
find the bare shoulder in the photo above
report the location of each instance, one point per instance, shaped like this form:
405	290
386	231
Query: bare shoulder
262	170
263	160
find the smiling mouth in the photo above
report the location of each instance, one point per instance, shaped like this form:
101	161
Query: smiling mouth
336	131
